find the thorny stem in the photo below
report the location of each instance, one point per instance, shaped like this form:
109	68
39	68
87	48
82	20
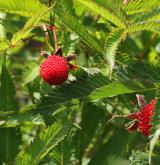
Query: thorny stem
46	33
52	27
44	27
55	39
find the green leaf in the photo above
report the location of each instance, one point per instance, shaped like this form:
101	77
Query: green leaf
7	90
152	16
10	141
138	6
8	26
4	44
19	119
23	8
66	6
151	26
106	13
146	73
120	139
31	72
69	94
111	46
40	147
119	88
93	87
113	160
29	26
10	138
73	24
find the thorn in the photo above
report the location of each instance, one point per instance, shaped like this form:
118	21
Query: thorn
58	52
73	67
71	57
45	30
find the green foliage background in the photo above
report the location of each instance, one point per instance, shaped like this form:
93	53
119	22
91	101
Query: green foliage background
117	46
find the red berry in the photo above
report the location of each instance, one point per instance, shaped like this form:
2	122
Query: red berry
54	70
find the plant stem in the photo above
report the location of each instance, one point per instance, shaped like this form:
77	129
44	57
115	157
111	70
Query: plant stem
55	39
